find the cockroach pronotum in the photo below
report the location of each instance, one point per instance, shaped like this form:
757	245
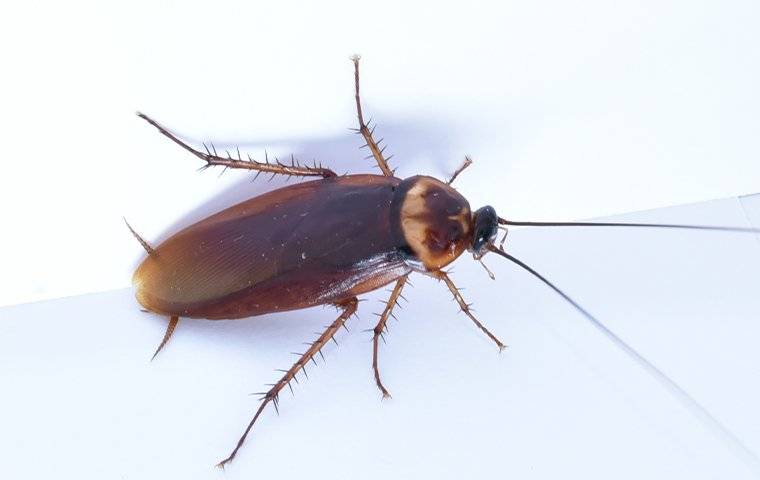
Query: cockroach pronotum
329	240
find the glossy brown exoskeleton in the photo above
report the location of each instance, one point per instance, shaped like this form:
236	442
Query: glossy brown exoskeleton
324	242
317	242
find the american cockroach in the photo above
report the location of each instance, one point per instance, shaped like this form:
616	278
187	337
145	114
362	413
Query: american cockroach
328	241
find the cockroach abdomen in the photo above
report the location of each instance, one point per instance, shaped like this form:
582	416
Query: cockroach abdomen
307	244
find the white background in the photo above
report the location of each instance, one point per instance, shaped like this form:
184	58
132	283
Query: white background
81	399
570	109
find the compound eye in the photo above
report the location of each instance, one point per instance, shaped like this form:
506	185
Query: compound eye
486	228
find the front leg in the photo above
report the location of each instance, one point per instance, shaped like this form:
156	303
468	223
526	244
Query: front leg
467	162
440	275
213	159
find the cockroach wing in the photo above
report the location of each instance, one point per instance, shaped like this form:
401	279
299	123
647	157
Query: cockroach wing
307	244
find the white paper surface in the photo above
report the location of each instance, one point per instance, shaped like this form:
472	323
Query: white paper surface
570	109
81	399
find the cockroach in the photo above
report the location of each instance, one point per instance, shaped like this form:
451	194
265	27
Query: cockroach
328	241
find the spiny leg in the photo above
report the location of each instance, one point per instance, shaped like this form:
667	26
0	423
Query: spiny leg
466	307
212	159
173	321
366	132
349	308
467	162
380	328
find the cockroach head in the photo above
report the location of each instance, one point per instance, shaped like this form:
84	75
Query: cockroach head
486	228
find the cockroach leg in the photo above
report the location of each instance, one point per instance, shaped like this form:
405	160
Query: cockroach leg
440	275
349	308
213	159
467	162
144	244
380	328
366	132
173	321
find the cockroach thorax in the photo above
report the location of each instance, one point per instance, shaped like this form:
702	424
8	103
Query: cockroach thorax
436	221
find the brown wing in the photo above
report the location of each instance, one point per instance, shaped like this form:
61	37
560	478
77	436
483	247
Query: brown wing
307	244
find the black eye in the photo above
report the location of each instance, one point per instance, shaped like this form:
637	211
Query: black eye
486	227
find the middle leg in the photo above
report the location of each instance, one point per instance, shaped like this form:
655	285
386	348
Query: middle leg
380	328
366	132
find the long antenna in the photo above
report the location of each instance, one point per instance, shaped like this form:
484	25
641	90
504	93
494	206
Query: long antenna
503	221
747	455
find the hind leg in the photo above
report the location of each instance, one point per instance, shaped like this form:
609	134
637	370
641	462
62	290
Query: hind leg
315	347
213	159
